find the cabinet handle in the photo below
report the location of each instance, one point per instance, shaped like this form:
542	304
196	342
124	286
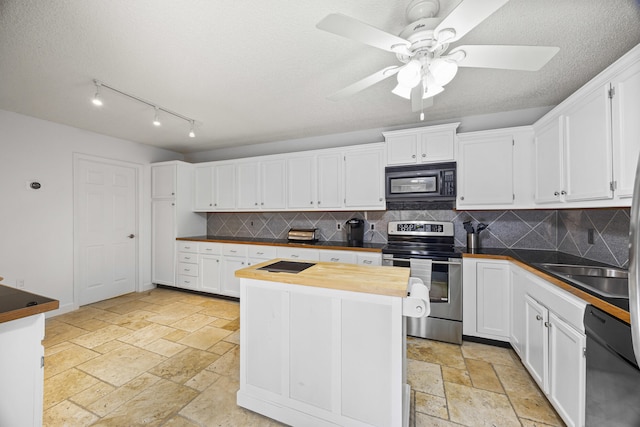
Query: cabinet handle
259	253
233	251
547	324
295	256
187	257
538	317
413	156
335	259
187	269
366	261
187	282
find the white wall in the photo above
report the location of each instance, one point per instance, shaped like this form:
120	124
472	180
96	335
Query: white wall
36	226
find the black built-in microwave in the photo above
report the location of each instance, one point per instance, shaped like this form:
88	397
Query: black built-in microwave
416	187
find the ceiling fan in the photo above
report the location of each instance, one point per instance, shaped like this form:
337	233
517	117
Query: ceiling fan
422	49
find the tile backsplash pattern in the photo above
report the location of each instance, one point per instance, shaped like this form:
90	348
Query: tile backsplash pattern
563	230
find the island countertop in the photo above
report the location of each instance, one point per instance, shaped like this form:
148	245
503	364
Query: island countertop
388	281
16	304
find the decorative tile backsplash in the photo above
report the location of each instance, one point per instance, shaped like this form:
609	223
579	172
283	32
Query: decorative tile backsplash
563	230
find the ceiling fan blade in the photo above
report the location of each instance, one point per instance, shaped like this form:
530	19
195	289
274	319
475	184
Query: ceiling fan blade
417	102
364	83
466	16
526	58
351	28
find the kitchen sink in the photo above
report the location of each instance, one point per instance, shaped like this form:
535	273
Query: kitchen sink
609	282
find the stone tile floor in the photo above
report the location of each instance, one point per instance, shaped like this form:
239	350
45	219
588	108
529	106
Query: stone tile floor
169	358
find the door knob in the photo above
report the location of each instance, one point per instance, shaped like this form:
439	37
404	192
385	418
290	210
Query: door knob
131	236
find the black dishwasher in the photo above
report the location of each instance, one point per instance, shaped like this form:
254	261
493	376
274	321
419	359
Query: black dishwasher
613	377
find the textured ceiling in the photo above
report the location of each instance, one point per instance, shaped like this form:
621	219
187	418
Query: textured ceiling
259	71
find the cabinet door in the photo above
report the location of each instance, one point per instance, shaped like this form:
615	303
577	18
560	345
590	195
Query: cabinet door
163	242
588	163
364	179
493	299
209	273
338	256
548	162
203	188
330	181
485	171
519	283
536	341
436	146
626	128
229	283
301	182
273	184
163	181
567	370
225	186
402	149
247	185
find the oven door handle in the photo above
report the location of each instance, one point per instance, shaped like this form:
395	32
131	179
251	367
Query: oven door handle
434	262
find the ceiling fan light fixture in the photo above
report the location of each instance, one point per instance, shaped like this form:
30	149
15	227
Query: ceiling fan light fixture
409	75
443	70
402	91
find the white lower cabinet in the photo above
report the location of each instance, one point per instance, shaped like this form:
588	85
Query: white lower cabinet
301	254
486	299
234	258
187	265
368	259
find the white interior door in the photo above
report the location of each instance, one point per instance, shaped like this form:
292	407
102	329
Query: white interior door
106	226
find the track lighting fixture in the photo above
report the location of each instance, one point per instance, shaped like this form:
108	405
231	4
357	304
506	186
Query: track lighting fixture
97	100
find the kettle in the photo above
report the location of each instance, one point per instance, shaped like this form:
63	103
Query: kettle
355	231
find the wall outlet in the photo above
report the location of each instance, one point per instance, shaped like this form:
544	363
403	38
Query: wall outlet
372	226
20	283
338	226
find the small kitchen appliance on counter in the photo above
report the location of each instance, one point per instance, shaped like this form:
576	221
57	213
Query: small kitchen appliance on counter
303	235
355	231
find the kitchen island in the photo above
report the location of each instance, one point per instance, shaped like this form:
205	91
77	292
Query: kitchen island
22	356
324	346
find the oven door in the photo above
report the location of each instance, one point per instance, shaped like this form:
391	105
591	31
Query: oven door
446	284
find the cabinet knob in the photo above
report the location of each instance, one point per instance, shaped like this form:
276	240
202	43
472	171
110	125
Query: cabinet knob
563	192
538	317
311	202
461	197
215	204
261	203
210	204
173	194
413	156
173	204
131	236
547	324
380	199
256	203
318	201
424	155
555	193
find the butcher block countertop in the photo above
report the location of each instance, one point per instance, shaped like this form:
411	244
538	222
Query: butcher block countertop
388	281
16	304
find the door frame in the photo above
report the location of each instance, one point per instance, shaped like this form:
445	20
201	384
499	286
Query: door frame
137	167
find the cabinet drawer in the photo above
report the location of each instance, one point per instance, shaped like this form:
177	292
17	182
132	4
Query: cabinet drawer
187	246
338	256
185	281
265	252
210	248
298	253
234	250
187	257
188	269
369	259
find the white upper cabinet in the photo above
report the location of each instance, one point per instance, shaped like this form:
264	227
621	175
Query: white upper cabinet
626	127
163	181
203	188
224	186
273	184
588	148
302	182
364	178
247	186
549	155
330	181
485	169
597	132
421	145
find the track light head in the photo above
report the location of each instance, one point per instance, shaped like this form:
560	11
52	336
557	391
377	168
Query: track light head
97	101
192	134
156	119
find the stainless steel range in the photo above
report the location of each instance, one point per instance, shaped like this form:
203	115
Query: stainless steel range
431	240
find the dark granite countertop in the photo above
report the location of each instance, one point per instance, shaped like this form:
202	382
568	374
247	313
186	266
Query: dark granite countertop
16	304
337	245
